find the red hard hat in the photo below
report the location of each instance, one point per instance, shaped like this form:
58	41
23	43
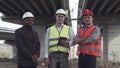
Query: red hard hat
87	12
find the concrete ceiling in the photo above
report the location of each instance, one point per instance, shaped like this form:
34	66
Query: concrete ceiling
105	11
45	9
14	9
102	7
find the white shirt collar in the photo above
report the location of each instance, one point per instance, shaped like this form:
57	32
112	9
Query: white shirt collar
60	26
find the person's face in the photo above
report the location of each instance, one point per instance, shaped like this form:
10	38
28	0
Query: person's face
28	21
60	18
88	19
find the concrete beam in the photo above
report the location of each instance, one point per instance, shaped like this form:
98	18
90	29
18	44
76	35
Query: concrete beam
81	6
26	5
13	2
45	6
110	8
6	36
37	7
53	5
94	4
64	4
107	20
5	11
85	5
117	10
41	20
103	5
8	6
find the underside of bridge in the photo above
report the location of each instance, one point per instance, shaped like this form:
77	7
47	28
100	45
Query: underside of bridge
105	9
43	10
101	7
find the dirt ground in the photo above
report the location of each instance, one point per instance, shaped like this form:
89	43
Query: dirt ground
13	65
7	65
72	64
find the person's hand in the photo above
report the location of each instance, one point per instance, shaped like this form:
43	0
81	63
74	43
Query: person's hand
46	61
34	58
86	41
76	40
64	42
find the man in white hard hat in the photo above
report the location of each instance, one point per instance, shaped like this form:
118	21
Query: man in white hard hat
27	43
57	42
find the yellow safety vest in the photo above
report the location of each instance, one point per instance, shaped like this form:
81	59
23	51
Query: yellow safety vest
54	35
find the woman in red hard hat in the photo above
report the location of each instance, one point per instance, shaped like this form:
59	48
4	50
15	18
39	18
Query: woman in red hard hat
89	40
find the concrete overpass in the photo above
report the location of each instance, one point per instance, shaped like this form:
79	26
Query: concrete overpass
6	33
6	36
44	10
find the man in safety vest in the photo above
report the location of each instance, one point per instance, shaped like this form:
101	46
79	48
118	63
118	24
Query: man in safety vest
89	40
57	40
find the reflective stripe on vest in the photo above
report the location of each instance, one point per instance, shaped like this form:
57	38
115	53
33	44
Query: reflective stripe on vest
91	48
54	36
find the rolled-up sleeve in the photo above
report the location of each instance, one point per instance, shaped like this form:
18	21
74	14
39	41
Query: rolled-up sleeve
72	35
95	35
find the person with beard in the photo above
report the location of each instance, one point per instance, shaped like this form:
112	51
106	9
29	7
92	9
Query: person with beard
89	41
27	43
58	39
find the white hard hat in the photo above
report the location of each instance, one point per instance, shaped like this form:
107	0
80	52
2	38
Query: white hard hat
60	11
27	14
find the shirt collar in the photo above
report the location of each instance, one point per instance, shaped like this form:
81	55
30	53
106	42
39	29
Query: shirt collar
60	26
87	26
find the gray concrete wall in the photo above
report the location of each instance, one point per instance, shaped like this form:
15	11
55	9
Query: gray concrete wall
41	32
114	43
108	26
6	36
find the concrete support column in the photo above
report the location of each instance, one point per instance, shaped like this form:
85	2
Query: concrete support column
41	31
105	43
